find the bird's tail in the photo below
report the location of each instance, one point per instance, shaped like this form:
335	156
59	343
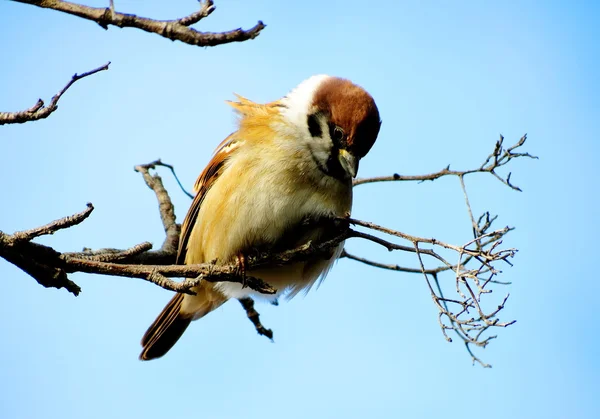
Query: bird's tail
177	315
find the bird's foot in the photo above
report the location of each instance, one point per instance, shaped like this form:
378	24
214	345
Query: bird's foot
241	260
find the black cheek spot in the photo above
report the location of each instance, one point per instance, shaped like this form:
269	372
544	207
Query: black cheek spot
313	126
334	168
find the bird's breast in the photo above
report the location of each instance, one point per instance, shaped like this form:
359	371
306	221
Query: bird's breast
257	200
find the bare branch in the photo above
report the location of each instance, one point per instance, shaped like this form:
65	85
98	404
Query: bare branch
111	255
466	314
32	255
27	257
498	158
471	283
393	267
175	30
39	111
166	209
160	274
160	163
54	226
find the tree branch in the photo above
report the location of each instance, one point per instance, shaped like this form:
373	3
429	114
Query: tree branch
498	158
175	30
165	207
475	270
39	111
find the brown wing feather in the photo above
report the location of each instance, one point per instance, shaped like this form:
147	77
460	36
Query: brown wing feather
165	331
204	182
170	324
249	111
175	303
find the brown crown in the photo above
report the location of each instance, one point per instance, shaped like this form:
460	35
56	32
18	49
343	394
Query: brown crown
351	108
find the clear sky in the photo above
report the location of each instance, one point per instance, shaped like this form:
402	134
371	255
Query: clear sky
448	77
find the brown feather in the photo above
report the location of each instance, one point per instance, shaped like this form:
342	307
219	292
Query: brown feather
255	123
351	108
170	324
204	182
165	331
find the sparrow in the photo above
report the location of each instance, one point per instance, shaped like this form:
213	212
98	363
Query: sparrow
290	160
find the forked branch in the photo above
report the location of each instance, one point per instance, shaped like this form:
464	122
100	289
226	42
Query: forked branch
175	29
474	264
499	157
39	110
476	268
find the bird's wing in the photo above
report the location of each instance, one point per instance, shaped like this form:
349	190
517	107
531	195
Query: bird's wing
203	184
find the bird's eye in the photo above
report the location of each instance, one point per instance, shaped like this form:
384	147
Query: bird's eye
337	134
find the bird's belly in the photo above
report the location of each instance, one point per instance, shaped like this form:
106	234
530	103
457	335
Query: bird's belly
281	278
287	280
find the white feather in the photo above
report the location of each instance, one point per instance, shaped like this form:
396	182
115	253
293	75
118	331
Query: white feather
298	101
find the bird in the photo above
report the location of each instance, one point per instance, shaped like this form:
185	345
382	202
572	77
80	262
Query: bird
289	161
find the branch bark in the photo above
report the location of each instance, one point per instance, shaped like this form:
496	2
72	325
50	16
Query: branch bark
19	250
39	111
175	30
475	270
498	158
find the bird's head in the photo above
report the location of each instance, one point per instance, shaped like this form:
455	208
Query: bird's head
339	122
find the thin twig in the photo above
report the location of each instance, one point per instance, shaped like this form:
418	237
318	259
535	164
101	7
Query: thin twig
53	227
39	111
393	267
475	270
498	158
165	206
159	162
111	255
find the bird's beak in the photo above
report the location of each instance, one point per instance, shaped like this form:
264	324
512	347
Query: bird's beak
349	162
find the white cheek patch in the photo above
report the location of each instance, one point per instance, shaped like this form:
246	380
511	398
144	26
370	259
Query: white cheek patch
321	147
296	109
298	101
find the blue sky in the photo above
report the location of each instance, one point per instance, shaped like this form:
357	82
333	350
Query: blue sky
448	78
